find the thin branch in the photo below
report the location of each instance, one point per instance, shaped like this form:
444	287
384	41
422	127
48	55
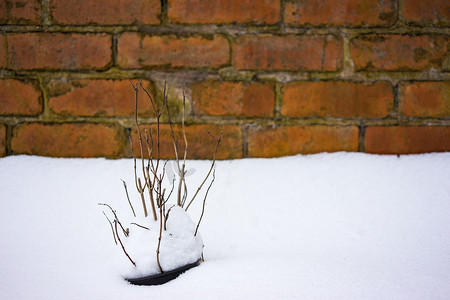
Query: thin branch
125	232
150	167
182	173
175	148
149	96
212	166
204	201
167	216
140	226
134	160
160	237
110	223
128	197
141	192
173	186
150	193
180	183
123	248
154	169
185	194
184	130
149	142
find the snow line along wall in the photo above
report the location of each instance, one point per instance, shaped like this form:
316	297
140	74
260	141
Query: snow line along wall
278	77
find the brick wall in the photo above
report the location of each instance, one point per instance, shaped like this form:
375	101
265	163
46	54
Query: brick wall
278	77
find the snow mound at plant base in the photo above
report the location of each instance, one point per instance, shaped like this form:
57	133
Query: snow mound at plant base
178	248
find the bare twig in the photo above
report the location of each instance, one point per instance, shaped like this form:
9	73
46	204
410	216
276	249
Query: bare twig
173	186
204	201
175	147
154	169
136	178
149	142
147	171
128	197
185	194
134	162
140	226
123	248
125	232
141	192
184	130
140	188
110	223
149	96
180	183
158	115
167	217
219	139
182	173
160	237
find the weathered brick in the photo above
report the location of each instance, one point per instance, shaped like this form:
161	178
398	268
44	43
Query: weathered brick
337	99
224	11
68	140
216	98
427	12
19	98
56	51
200	144
172	51
407	139
3	13
425	99
3	52
290	140
106	12
290	52
20	12
2	140
400	52
100	98
341	12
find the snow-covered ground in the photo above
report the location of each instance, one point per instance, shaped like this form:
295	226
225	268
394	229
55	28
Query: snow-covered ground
325	226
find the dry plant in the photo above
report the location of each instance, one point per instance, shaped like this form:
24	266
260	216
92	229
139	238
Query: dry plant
153	171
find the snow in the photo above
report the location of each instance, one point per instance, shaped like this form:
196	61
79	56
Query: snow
179	246
324	226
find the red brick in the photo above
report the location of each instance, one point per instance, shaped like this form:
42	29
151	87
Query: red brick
425	99
3	13
341	12
56	51
200	144
233	99
3	52
400	52
19	98
20	12
172	51
427	12
291	140
101	98
106	12
407	139
224	11
68	140
290	52
2	140
337	99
